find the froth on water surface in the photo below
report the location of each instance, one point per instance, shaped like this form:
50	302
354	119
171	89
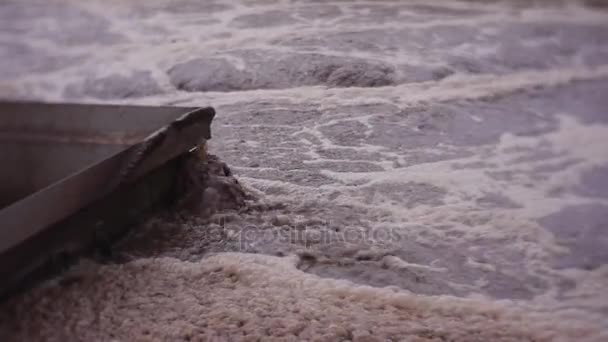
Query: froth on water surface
433	171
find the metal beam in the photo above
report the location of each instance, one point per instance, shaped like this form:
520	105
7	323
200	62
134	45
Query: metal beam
61	160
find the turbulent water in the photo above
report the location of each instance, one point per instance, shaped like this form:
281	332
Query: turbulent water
425	170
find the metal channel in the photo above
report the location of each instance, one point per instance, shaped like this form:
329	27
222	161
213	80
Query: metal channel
63	159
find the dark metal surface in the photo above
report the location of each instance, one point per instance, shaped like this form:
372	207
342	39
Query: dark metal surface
90	231
59	158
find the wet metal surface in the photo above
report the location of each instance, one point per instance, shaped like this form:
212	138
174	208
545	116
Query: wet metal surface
59	158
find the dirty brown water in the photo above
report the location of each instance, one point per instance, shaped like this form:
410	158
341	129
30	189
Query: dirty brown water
423	171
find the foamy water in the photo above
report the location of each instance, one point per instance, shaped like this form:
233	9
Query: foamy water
427	171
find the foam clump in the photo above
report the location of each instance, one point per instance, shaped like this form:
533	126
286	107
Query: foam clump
248	297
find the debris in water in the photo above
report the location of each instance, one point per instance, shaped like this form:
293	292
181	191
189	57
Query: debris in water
207	185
